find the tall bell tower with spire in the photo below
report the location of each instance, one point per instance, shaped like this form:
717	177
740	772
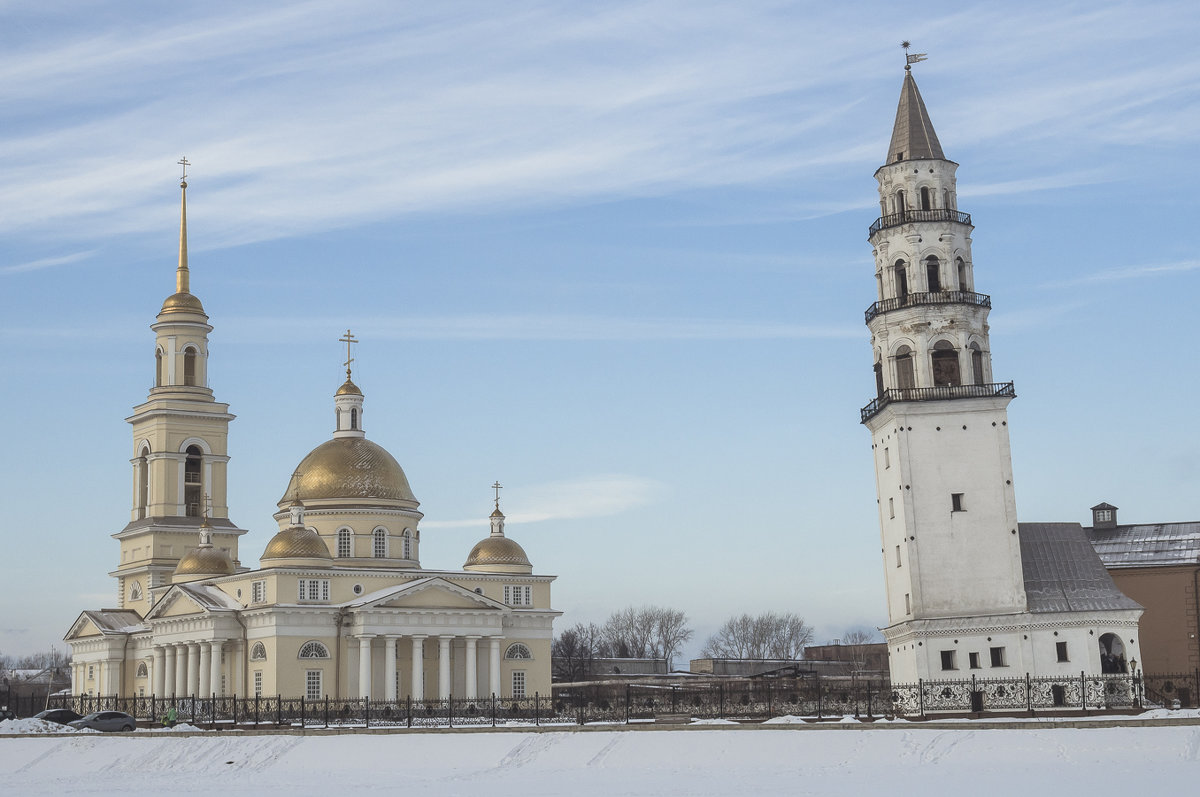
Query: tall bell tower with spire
180	439
938	423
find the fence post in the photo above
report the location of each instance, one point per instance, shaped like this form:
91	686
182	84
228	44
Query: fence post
409	710
256	714
493	709
367	711
579	707
770	700
720	700
1083	690
154	709
450	709
921	697
278	709
1028	693
819	696
536	718
869	714
303	712
973	690
235	705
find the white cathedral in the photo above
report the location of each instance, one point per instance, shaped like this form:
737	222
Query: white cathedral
969	590
339	606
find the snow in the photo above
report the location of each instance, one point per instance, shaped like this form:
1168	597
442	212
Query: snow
30	725
794	759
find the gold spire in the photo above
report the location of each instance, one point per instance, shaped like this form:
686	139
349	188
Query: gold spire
181	273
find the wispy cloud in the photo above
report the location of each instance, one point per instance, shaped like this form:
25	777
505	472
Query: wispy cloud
46	262
1130	272
573	499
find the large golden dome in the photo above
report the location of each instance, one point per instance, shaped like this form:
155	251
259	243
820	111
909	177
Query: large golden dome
296	542
349	468
205	560
497	550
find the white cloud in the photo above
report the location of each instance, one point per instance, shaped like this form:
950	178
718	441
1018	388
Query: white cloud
46	262
573	499
1131	272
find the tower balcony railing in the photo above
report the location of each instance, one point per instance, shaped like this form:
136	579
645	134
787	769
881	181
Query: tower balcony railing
943	393
930	297
906	216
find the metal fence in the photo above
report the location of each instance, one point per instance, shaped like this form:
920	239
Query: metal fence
743	699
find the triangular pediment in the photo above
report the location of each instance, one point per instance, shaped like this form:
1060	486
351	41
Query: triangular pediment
104	622
83	627
428	593
176	602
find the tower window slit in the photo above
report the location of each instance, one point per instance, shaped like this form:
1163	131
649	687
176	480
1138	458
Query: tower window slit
189	366
193	487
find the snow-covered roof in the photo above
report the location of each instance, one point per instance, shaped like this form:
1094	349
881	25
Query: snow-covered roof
115	621
1063	573
1147	544
210	597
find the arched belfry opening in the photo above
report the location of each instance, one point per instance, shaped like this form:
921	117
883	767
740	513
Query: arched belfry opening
905	376
189	366
193	483
901	272
878	378
933	273
945	365
961	267
977	375
1112	654
158	367
926	200
143	482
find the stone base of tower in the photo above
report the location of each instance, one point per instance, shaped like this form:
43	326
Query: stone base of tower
1057	644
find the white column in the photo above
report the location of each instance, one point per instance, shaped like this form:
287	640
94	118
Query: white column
418	667
214	676
472	668
389	667
494	666
181	656
204	687
193	670
168	684
364	665
239	668
157	680
444	666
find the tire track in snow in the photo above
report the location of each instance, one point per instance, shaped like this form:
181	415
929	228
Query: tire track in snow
943	744
604	752
528	750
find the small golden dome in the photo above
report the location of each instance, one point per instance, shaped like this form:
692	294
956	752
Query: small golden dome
296	542
205	560
182	303
497	550
349	468
348	389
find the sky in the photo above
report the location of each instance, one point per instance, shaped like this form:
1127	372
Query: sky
613	256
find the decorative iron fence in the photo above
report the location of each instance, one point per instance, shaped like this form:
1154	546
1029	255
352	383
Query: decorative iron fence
925	298
906	216
744	700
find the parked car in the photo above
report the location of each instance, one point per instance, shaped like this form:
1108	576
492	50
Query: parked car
106	721
7	713
63	716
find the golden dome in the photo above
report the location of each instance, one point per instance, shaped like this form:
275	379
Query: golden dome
296	542
348	389
497	550
349	468
206	561
182	303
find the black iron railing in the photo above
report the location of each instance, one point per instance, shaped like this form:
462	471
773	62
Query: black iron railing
906	216
930	297
936	394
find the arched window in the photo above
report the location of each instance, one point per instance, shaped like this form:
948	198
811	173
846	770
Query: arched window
143	482
878	378
976	364
900	202
945	197
926	201
158	368
343	544
517	651
258	652
933	273
901	279
135	591
193	487
1112	654
379	542
961	268
141	670
905	378
408	544
353	417
313	650
189	366
945	365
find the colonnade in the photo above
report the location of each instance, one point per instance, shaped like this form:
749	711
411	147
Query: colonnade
445	677
195	668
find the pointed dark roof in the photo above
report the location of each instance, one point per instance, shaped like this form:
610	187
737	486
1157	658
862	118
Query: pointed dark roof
1063	573
913	135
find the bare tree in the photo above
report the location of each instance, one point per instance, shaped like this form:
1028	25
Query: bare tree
574	651
768	636
856	641
645	632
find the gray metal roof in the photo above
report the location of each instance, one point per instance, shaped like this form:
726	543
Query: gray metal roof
1148	544
912	135
1063	573
115	621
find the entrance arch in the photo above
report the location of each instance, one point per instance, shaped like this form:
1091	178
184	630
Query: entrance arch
1112	654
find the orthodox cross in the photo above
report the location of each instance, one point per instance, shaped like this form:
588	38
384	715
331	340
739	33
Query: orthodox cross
348	339
497	487
207	505
184	162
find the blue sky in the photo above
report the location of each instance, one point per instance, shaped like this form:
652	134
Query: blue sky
613	255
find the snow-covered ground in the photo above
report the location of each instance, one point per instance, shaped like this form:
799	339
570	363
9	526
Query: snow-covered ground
897	759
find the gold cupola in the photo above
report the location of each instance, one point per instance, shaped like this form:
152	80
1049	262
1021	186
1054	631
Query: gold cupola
204	561
296	544
497	553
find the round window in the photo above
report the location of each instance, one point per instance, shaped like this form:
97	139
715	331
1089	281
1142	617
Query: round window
358	589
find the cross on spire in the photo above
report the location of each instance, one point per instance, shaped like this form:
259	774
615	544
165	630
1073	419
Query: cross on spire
184	162
497	487
348	339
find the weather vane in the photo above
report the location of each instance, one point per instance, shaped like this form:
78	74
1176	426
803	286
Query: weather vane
911	58
497	487
184	162
348	339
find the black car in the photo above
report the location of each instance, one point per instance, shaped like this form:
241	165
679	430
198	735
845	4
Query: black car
62	716
106	721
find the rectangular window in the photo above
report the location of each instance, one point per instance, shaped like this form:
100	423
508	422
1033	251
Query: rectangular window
518	594
1103	515
91	671
998	657
948	660
380	544
314	589
887	458
258	592
258	683
891	507
312	685
1062	651
907	603
956	502
518	683
897	556
974	660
